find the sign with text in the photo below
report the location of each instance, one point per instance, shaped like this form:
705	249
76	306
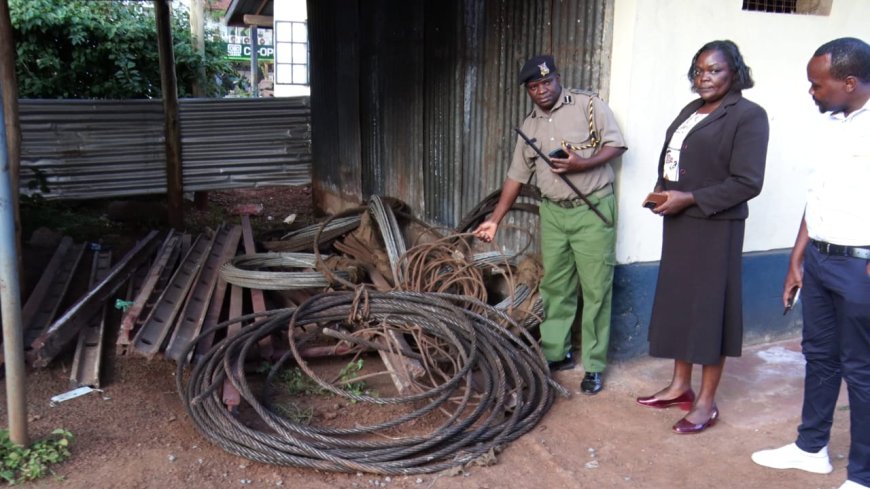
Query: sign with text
242	52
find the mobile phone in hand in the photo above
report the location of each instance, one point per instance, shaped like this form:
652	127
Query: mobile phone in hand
796	294
558	153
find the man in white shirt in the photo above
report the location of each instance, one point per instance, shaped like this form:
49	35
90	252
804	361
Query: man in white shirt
831	263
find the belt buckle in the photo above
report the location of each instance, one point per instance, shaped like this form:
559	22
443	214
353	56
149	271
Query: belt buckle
823	247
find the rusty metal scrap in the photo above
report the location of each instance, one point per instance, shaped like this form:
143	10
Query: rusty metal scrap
85	370
156	328
150	291
226	242
65	328
362	249
42	306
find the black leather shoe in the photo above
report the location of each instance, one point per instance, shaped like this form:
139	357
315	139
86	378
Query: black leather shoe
592	383
566	363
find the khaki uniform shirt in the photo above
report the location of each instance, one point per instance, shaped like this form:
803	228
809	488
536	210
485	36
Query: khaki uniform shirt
569	121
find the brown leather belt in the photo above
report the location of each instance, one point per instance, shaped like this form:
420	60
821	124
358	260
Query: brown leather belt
578	202
840	250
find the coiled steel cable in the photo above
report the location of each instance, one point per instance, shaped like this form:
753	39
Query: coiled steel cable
443	265
301	239
517	390
390	233
245	271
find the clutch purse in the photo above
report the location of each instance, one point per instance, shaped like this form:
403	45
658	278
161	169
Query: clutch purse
654	199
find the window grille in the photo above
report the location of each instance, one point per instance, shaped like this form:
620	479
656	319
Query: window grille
806	7
291	53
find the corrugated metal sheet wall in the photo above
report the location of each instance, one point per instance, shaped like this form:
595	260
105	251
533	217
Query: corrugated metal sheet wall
431	121
103	148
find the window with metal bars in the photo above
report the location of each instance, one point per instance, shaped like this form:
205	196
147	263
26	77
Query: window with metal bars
806	7
291	53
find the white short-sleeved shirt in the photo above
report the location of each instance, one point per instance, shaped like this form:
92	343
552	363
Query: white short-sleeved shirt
838	197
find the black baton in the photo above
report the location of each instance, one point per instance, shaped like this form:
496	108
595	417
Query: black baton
564	177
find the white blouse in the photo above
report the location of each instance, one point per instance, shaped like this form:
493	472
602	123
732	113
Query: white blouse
671	170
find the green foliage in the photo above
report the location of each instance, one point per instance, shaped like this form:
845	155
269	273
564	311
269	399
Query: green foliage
348	374
298	383
25	464
107	50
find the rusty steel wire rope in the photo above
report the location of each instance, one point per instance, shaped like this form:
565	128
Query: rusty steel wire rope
301	239
266	271
445	265
485	207
390	233
495	388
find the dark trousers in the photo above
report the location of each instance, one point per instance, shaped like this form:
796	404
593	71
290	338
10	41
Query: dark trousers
836	344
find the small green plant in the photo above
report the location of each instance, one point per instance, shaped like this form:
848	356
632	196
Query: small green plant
22	464
346	378
298	383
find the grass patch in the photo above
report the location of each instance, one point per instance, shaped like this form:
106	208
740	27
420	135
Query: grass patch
22	464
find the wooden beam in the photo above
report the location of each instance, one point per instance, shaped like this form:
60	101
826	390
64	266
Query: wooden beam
262	6
258	20
172	131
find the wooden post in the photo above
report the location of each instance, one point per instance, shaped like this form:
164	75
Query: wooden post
174	184
197	33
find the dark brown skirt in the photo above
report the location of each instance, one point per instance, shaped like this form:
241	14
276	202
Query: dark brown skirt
697	315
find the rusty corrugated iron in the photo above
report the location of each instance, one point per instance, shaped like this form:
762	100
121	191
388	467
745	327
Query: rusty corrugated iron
80	149
417	100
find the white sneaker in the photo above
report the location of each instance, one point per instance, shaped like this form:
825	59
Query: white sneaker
852	485
792	457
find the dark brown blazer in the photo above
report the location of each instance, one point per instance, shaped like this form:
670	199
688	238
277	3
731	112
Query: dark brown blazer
722	159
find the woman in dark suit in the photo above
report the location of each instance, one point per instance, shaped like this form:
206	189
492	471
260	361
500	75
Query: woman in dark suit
711	164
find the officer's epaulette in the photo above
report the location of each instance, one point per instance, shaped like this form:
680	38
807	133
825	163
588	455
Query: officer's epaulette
588	93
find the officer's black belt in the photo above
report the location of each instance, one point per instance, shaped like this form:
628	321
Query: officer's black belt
840	250
571	203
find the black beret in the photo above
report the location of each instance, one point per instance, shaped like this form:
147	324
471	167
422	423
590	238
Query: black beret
537	68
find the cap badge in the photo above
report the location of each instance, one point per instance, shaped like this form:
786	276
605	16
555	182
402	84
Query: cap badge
544	70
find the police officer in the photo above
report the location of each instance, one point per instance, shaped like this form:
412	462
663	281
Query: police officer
577	245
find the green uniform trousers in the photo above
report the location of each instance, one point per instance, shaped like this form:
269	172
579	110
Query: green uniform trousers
577	249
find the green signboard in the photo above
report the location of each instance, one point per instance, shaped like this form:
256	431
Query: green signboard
242	52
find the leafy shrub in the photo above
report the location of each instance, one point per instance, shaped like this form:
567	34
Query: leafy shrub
82	49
